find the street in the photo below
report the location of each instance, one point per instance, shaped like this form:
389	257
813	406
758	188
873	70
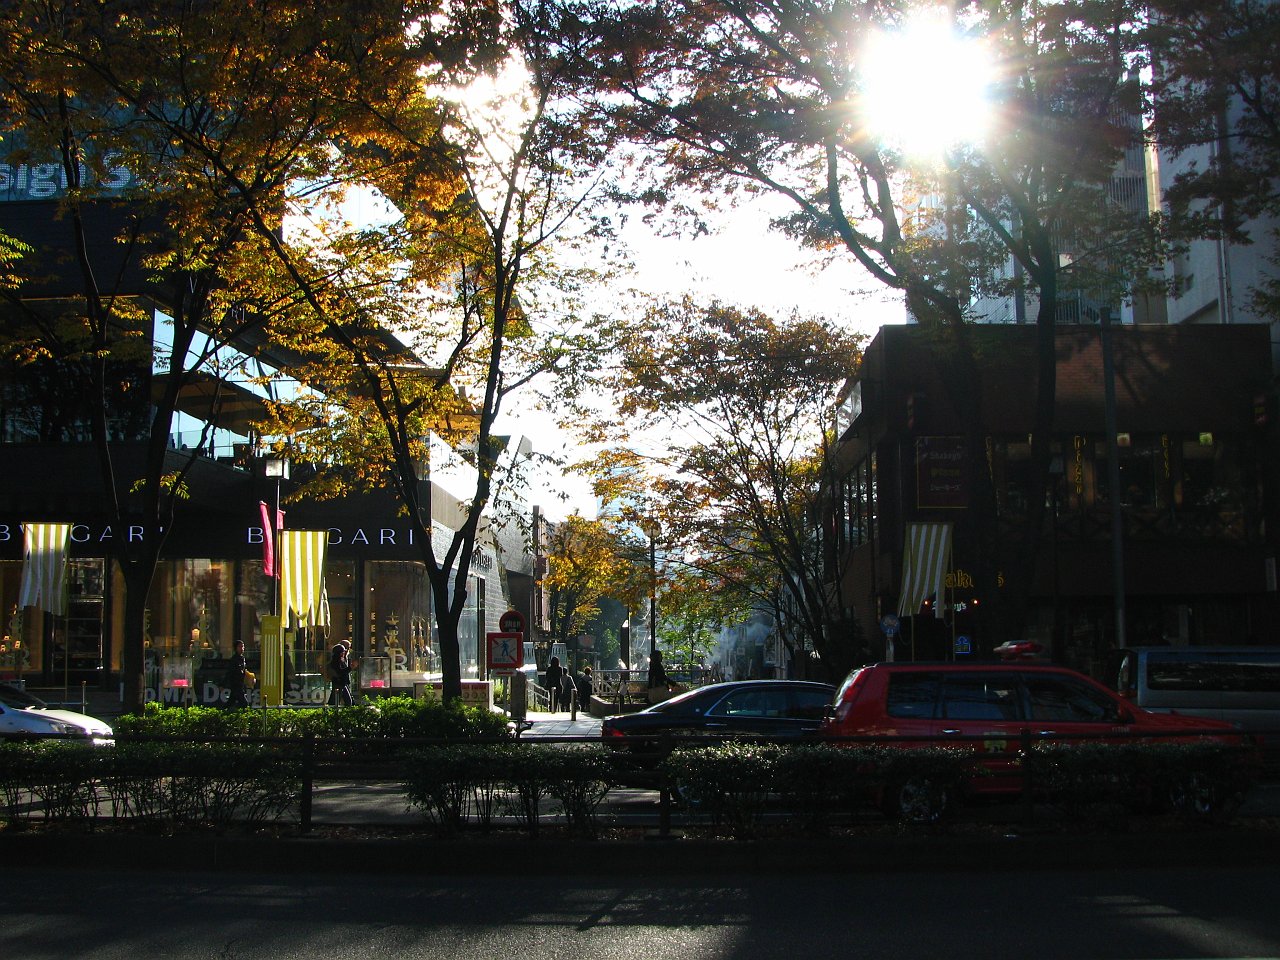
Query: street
106	914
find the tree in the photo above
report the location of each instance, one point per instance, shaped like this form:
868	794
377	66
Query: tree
737	97
217	111
741	402
1215	85
482	282
587	562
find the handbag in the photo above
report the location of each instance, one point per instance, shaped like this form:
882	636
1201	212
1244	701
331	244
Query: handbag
250	679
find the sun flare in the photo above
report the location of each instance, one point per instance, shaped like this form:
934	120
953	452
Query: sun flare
926	87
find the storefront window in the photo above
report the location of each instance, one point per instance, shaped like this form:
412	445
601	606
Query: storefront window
399	610
308	647
190	619
19	649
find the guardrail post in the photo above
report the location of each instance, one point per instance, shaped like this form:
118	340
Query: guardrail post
1028	803
664	794
308	781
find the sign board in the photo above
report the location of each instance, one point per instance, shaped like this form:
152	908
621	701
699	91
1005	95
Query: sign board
511	622
889	624
941	473
963	645
475	693
505	652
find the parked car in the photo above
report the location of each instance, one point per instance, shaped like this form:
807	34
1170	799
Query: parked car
25	715
739	708
1240	685
986	708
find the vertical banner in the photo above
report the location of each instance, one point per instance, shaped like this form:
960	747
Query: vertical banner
926	557
302	555
271	665
44	570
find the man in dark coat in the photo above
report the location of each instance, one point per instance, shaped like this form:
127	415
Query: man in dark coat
236	673
555	674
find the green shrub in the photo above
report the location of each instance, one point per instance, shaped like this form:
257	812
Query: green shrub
820	782
56	776
389	718
1095	781
730	781
578	777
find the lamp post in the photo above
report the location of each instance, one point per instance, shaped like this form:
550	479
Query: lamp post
278	468
652	528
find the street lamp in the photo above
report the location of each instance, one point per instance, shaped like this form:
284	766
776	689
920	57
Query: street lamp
652	528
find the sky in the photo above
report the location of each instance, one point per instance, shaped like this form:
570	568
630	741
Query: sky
743	263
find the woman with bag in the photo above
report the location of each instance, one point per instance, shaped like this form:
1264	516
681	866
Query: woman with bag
659	684
340	667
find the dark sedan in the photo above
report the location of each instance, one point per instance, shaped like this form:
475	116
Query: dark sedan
740	708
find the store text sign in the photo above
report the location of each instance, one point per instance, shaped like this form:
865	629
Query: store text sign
941	464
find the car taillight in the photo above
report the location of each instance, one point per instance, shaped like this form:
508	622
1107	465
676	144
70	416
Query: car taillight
607	731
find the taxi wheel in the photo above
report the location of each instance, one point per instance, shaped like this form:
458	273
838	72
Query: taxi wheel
1199	796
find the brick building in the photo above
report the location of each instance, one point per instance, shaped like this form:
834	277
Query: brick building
917	533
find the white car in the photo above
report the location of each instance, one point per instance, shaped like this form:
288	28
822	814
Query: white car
21	715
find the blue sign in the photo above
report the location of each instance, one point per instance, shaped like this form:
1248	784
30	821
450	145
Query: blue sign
889	623
963	645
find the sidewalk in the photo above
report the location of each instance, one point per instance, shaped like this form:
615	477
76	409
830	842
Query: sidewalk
544	725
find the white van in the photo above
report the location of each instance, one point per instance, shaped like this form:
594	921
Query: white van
1238	684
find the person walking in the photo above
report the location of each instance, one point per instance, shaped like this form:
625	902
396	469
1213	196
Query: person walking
583	681
237	673
555	674
658	683
340	667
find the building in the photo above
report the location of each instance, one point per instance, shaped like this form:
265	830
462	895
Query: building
1196	457
61	594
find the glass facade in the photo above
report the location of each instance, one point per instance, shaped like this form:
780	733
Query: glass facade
198	607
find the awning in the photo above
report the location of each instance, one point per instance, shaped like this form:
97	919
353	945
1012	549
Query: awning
302	554
44	570
224	404
926	557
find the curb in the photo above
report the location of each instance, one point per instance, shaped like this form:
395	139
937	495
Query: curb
661	858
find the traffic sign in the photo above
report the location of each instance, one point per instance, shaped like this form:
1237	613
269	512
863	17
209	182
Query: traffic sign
506	652
511	622
890	623
963	645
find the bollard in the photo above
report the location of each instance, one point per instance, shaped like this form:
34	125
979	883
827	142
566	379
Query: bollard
573	704
1028	805
308	782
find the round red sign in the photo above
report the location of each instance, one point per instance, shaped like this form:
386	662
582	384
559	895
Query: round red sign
511	622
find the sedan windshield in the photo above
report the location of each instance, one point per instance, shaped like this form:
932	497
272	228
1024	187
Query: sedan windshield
18	699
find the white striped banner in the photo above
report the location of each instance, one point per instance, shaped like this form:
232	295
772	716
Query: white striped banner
44	571
926	557
302	555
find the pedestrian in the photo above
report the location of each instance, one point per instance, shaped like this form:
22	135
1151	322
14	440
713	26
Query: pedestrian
583	681
658	684
554	675
237	674
340	666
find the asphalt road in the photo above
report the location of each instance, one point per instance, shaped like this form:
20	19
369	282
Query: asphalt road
184	914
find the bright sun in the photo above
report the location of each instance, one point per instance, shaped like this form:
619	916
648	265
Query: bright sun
925	87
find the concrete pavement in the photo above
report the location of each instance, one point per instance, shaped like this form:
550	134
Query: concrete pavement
545	725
